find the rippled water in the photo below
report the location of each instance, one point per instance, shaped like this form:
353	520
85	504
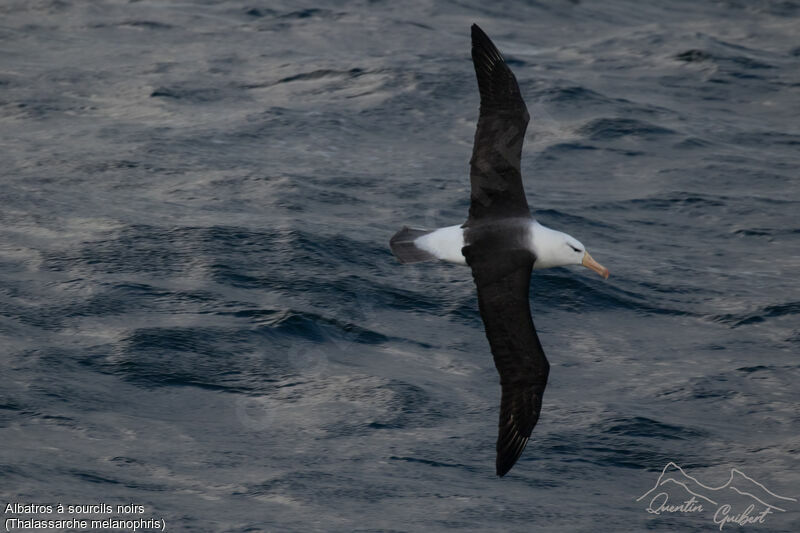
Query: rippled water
200	313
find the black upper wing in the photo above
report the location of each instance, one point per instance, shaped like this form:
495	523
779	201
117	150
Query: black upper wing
495	165
503	300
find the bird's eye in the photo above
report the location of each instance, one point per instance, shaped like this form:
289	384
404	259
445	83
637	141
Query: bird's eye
577	250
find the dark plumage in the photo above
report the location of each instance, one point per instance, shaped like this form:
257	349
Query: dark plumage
501	243
498	203
495	165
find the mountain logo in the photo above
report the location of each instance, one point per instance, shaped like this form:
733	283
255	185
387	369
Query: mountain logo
740	500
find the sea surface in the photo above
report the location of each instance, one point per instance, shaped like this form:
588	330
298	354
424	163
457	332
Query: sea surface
200	314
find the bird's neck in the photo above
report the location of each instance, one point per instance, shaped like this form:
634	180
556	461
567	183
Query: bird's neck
545	244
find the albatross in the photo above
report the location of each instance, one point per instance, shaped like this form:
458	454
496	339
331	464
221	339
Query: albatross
502	244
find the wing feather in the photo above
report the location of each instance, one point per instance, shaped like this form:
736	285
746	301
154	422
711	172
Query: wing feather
495	177
518	354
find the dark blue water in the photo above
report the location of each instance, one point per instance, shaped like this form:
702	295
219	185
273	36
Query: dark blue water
199	312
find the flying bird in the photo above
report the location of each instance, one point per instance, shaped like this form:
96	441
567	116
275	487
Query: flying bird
502	243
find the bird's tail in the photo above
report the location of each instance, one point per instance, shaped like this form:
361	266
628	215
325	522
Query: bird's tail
405	250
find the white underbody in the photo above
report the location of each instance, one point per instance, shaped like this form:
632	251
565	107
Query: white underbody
546	244
444	243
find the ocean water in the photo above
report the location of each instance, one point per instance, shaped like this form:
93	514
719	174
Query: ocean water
200	314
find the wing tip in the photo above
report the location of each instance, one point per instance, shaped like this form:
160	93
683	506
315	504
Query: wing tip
478	33
496	83
509	450
502	469
481	41
506	463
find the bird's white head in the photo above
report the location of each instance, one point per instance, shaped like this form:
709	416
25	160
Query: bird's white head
555	248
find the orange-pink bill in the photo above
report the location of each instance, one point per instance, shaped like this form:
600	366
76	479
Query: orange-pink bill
589	262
